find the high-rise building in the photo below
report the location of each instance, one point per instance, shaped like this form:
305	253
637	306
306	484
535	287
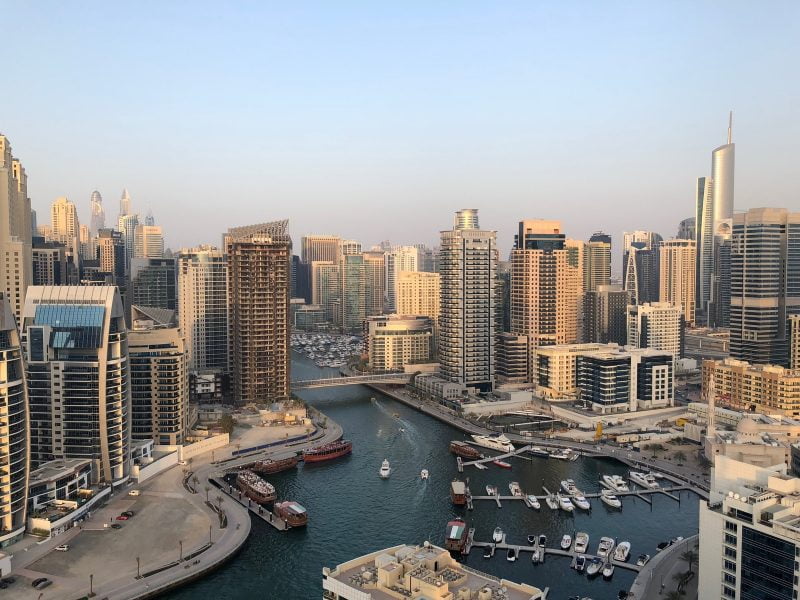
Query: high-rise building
126	225
148	241
393	341
154	282
597	261
687	229
97	218
77	364
419	293
259	277
640	265
320	247
401	258
354	293
546	284
605	315
203	307
512	358
348	247
111	255
327	288
15	229
678	276
637	239
125	204
794	341
49	262
14	438
375	282
159	384
658	325
426	260
468	261
748	533
765	283
64	221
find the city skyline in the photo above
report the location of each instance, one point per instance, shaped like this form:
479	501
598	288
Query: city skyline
326	128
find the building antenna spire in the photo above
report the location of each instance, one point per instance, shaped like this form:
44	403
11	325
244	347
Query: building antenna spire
730	127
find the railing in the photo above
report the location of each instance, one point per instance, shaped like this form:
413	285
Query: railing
355	380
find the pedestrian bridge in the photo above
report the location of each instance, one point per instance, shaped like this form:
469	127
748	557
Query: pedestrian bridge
399	378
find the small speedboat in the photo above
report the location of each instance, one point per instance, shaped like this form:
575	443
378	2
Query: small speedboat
581	542
622	551
594	566
569	487
535	555
497	536
542	540
605	547
580	563
491	490
566	541
581	502
386	470
531	540
565	503
423	474
487	553
502	464
514	488
642	560
608	571
511	555
609	498
533	501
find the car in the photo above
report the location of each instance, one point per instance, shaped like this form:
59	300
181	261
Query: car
122	518
133	493
116	526
41	583
3	585
181	462
128	513
62	548
8	580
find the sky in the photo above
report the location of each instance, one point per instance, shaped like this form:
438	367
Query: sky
376	121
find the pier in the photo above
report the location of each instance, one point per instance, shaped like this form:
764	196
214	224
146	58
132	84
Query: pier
642	494
264	513
461	463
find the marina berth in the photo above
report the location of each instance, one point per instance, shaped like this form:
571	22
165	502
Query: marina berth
255	488
494	441
293	513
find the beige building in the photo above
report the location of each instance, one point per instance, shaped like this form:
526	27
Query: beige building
555	368
394	341
16	263
374	270
148	241
326	288
597	261
757	440
320	247
418	293
794	342
677	275
259	281
765	389
658	325
398	260
159	384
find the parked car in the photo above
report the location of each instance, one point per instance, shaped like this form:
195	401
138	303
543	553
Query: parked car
128	513
41	583
133	493
63	548
122	518
116	526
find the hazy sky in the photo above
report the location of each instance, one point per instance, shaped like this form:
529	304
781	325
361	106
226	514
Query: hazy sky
378	120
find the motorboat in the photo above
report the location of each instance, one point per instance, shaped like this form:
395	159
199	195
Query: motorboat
605	547
481	466
494	441
661	546
559	454
487	553
552	501
615	483
594	566
622	551
581	542
386	470
569	487
646	480
502	464
580	563
535	555
565	503
642	560
609	498
515	490
491	490
537	451
542	540
608	571
581	502
423	474
511	555
497	536
566	542
533	501
531	540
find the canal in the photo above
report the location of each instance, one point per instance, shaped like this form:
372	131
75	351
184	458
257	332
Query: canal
353	512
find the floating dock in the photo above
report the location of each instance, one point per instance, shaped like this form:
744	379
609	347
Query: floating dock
264	513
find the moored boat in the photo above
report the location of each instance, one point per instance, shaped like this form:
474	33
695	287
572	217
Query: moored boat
565	503
605	547
491	490
511	555
292	512
502	464
458	492
497	535
609	498
608	570
580	563
552	501
615	483
581	542
642	560
594	566
581	502
456	538
270	466
255	488
537	451
566	542
515	489
328	451
494	441
622	551
464	450
646	480
533	502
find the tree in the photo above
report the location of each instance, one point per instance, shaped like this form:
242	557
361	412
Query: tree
220	499
690	556
680	457
207	489
227	423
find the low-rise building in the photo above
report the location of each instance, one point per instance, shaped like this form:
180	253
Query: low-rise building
416	573
765	389
555	368
704	343
394	341
757	440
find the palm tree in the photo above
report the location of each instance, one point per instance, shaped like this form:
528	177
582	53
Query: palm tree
680	457
690	556
219	502
207	489
195	480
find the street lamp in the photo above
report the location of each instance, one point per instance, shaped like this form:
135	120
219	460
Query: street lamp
181	546
138	574
209	535
91	585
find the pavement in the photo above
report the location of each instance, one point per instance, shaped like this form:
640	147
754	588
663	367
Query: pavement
656	579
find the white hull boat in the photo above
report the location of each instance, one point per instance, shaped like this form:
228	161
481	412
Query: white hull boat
424	474
565	503
533	501
497	536
581	542
386	470
605	547
608	498
566	542
494	441
622	551
615	483
646	480
581	502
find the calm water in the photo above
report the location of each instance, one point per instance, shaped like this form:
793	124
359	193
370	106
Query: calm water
354	512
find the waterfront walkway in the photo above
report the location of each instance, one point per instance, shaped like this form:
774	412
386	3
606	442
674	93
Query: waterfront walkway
656	578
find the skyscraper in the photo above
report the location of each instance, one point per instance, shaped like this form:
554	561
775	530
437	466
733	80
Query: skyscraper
678	277
15	229
77	363
375	282
148	241
400	258
97	219
765	283
153	283
125	204
320	247
14	440
468	260
658	325
126	225
259	277
687	229
203	307
605	315
418	293
354	293
640	265
597	261
49	263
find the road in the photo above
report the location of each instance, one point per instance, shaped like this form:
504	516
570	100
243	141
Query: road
655	580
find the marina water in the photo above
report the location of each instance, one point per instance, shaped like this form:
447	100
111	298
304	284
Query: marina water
352	511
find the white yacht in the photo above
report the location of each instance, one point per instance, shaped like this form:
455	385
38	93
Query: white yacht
615	483
608	570
565	503
569	487
609	498
646	480
566	542
581	502
424	474
491	490
386	470
533	502
581	542
497	536
622	551
594	566
515	490
494	441
552	501
605	547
